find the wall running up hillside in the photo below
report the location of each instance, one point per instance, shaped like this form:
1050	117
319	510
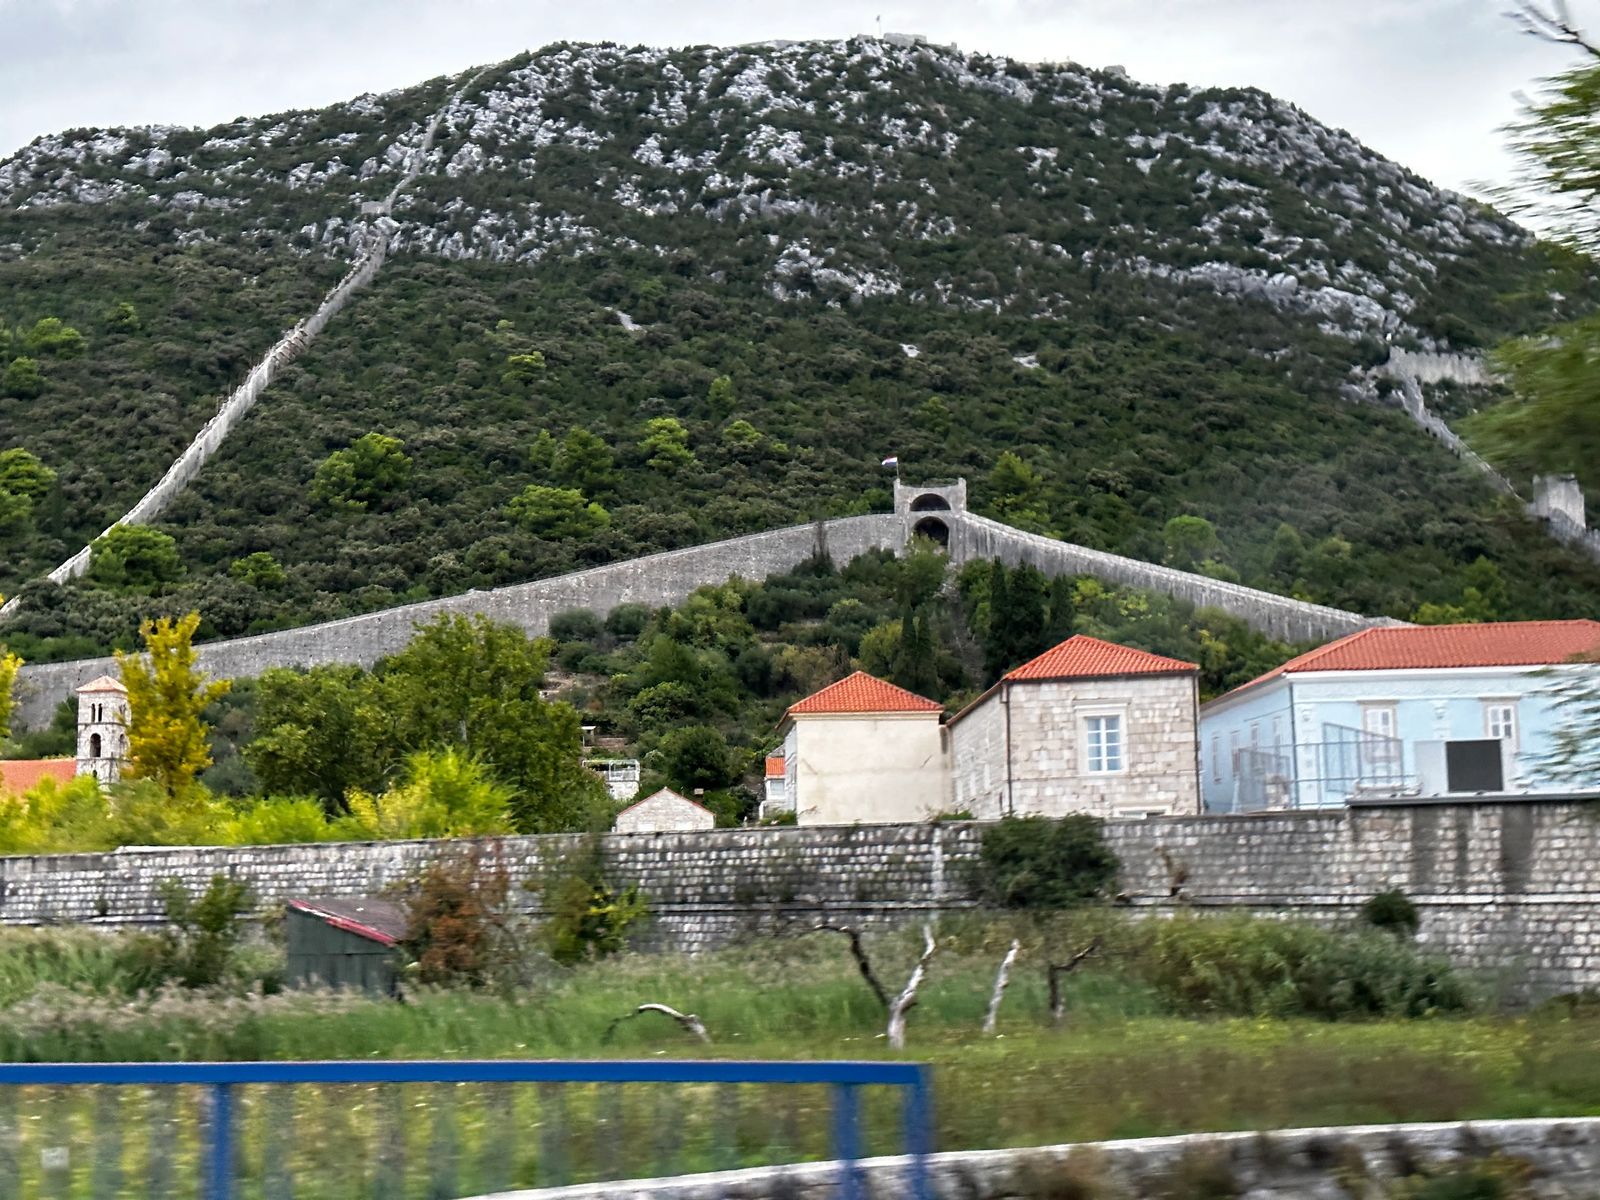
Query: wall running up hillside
284	351
1510	889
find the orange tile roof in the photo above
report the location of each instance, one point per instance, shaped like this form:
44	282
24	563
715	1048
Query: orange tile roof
1084	657
774	766
863	693
17	775
1431	647
1496	644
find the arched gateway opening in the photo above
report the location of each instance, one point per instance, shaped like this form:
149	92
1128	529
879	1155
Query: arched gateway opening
933	527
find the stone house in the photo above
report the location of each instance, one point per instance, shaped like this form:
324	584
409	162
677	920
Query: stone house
863	751
1431	710
1088	726
664	812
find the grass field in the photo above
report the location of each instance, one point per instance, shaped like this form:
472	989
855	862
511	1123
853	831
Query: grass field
1121	1065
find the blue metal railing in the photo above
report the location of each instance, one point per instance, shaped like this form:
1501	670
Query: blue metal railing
844	1079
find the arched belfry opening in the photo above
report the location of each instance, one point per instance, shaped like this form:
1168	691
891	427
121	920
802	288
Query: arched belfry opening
94	746
932	527
930	502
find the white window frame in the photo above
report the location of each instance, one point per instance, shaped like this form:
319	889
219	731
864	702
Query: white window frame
1095	714
1389	709
1509	707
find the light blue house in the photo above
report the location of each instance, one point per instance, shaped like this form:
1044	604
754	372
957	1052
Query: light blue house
1433	710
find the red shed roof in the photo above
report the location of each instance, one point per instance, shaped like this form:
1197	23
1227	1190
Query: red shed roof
381	921
863	693
17	775
1084	657
1432	647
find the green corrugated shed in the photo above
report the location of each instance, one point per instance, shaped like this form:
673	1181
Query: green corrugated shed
346	943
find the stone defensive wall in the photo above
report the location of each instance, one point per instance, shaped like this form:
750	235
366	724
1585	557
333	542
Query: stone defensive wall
1507	889
669	577
653	580
1277	616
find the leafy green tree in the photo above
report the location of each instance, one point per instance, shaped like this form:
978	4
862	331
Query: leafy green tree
916	665
259	570
51	335
1552	421
1017	618
1574	755
1016	493
880	648
696	756
370	469
475	683
442	794
556	513
1190	541
666	444
720	398
23	480
522	369
124	316
585	463
168	738
10	664
134	556
22	378
542	454
318	733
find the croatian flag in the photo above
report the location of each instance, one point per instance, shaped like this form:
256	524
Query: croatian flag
891	461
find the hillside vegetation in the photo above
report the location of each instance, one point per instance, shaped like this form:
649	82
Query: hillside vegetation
641	299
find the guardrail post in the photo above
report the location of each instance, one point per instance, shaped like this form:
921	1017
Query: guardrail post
918	1114
847	1139
219	1152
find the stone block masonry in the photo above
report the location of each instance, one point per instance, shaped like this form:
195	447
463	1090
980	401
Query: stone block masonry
653	580
1561	1158
1510	889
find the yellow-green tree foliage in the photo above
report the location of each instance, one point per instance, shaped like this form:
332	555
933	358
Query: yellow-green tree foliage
167	739
10	664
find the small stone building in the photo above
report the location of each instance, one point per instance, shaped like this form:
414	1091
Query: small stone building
863	751
664	812
1088	726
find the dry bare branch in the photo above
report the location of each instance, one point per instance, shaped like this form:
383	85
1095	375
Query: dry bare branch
1058	971
859	953
1552	24
907	999
1001	979
688	1022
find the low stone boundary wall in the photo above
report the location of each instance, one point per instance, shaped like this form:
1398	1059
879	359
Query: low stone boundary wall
1510	889
1561	1159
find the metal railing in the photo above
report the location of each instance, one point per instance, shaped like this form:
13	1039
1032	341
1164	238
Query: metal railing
253	1102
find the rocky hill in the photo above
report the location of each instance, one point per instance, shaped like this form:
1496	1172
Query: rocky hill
750	273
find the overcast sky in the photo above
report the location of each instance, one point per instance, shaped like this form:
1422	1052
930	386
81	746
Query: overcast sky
1427	82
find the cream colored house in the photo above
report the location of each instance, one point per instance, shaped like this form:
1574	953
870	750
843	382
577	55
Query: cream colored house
664	812
1088	726
863	751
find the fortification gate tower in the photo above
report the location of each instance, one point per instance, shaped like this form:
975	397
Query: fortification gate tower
102	728
931	510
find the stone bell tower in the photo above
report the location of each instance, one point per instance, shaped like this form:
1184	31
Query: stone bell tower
102	729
